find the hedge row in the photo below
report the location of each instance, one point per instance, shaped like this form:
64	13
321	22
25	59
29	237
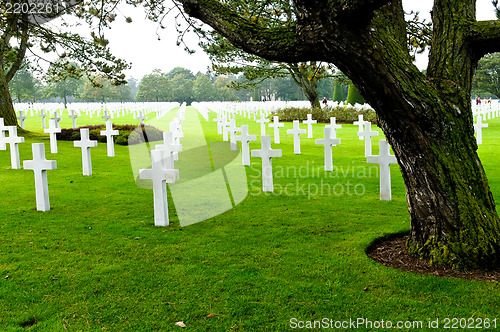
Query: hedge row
343	114
129	134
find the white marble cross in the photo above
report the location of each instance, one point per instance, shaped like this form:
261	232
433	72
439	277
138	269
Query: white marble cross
478	128
334	126
141	117
14	140
309	122
73	117
109	133
296	131
224	123
52	131
232	131
40	166
21	119
245	139
160	177
384	159
170	148
56	118
3	130
106	116
276	125
262	122
360	123
218	120
42	115
328	141
267	153
85	143
367	134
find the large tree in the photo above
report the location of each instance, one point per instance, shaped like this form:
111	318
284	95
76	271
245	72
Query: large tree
21	31
427	118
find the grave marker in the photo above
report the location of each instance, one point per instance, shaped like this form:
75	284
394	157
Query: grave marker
478	128
170	148
360	123
85	143
141	117
52	131
367	134
42	115
334	126
245	139
14	140
109	133
57	119
384	159
232	131
266	153
160	177
40	166
73	117
328	141
296	131
276	125
309	122
21	119
3	130
262	122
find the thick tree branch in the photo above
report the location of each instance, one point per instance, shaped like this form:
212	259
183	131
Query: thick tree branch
485	36
22	50
280	43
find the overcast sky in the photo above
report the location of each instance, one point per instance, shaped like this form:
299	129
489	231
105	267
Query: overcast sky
138	42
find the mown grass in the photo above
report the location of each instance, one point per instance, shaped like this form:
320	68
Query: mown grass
95	261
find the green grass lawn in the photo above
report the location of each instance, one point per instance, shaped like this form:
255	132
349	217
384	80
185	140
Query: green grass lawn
95	261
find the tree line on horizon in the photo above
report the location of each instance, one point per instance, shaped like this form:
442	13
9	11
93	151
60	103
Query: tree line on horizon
178	85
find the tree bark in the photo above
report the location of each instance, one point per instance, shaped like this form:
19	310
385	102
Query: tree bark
7	111
427	119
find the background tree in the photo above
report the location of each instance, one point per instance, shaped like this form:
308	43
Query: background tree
64	80
24	86
227	59
338	94
153	87
204	89
353	96
426	118
486	80
19	32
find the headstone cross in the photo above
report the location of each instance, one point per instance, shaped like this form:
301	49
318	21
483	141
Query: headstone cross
266	153
85	143
40	166
384	159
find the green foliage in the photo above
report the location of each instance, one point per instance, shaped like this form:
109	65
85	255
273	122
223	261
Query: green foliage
486	81
24	86
353	96
343	114
128	134
338	94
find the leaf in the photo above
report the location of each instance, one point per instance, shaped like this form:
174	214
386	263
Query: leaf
180	324
211	315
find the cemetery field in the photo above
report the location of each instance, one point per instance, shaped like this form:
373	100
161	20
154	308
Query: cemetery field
96	261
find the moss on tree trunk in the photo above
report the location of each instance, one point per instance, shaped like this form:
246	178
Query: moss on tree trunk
7	111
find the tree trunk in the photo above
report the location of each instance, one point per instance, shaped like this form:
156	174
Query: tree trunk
7	111
311	93
428	122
